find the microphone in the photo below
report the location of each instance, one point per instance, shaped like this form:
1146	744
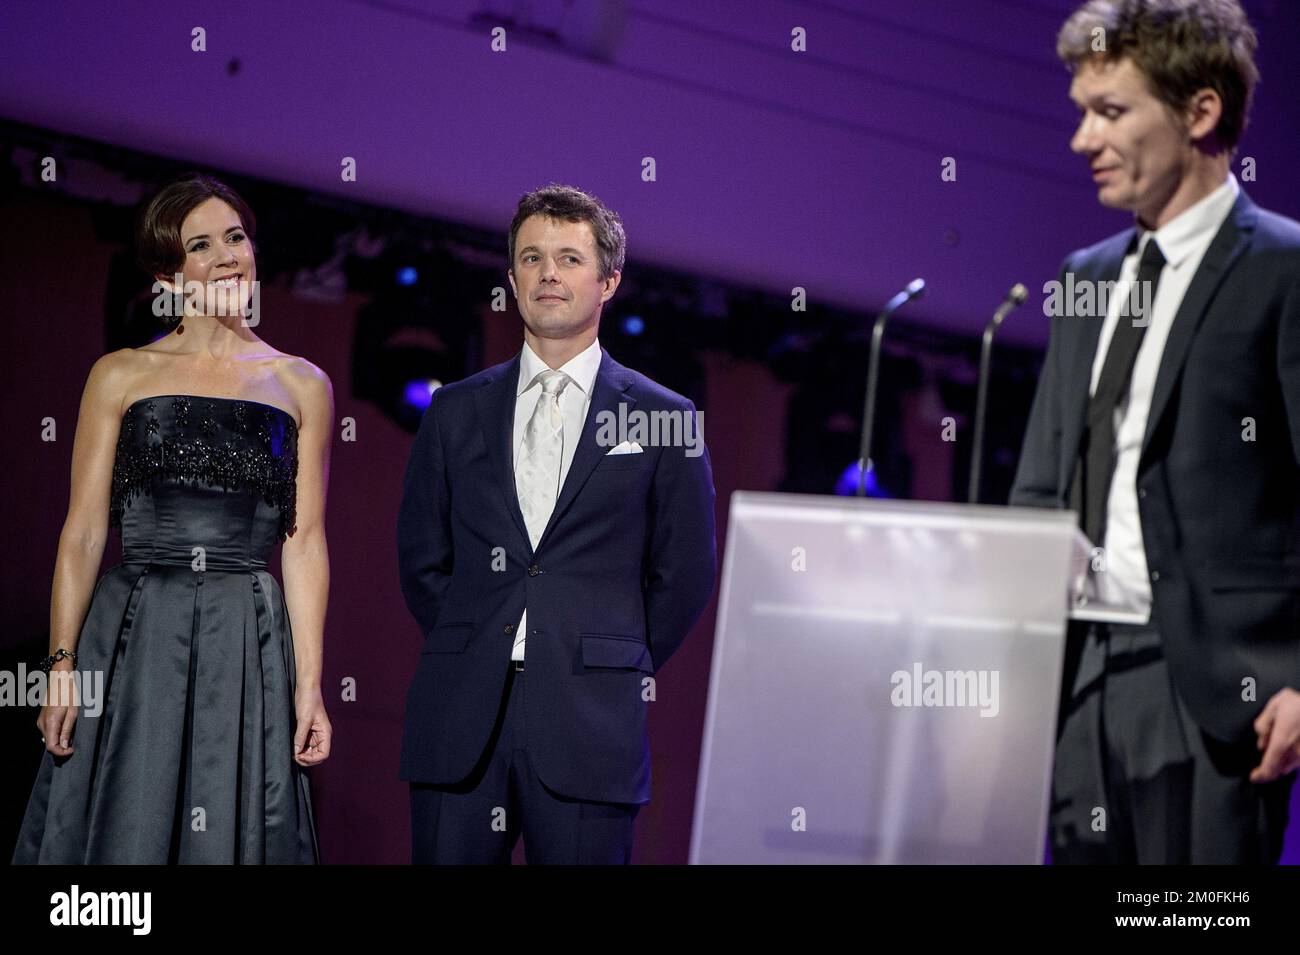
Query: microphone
913	290
1015	297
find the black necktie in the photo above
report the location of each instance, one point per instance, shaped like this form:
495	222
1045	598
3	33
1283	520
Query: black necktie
1098	450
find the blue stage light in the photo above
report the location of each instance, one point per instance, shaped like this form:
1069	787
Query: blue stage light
419	393
847	485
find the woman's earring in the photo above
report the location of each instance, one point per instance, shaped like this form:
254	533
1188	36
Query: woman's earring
177	313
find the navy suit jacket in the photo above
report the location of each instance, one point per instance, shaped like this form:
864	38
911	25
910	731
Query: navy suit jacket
1220	515
623	570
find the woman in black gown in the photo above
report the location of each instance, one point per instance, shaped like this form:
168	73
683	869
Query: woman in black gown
206	447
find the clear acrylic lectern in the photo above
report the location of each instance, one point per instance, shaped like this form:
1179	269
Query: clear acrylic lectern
884	684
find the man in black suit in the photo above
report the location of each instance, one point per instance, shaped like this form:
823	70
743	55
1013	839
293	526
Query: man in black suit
553	563
1168	415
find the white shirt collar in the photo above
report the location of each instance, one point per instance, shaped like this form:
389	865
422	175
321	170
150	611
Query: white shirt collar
582	367
1196	225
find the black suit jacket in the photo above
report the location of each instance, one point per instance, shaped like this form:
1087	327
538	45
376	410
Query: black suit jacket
1220	515
620	575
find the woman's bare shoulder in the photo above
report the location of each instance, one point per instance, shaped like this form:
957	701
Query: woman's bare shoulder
111	376
309	385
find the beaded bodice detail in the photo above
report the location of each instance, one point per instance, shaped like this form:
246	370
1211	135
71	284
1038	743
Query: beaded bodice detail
187	441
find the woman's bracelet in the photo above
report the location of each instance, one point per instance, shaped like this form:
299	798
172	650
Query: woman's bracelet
61	654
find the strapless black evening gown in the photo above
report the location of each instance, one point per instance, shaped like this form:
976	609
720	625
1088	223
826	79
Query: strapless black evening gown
191	758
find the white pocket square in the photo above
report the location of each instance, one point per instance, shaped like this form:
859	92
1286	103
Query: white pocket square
627	447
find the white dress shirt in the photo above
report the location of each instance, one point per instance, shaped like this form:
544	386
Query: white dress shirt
1183	241
575	399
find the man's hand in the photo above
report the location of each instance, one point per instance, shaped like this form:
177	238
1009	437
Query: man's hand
1278	729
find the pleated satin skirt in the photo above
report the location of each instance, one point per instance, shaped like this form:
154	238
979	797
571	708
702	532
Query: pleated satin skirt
190	759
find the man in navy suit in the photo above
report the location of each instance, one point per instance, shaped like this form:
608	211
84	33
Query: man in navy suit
1170	419
554	560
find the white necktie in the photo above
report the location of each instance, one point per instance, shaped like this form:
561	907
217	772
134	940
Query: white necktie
537	472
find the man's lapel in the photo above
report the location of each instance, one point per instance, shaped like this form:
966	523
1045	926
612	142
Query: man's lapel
496	416
1104	267
1231	240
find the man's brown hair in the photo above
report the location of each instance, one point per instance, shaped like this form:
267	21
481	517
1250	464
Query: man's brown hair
1180	46
573	205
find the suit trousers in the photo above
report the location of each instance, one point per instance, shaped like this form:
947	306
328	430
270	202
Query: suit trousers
479	820
1137	781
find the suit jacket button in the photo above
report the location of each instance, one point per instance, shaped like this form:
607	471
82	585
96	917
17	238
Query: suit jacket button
534	570
510	628
1155	575
1142	493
